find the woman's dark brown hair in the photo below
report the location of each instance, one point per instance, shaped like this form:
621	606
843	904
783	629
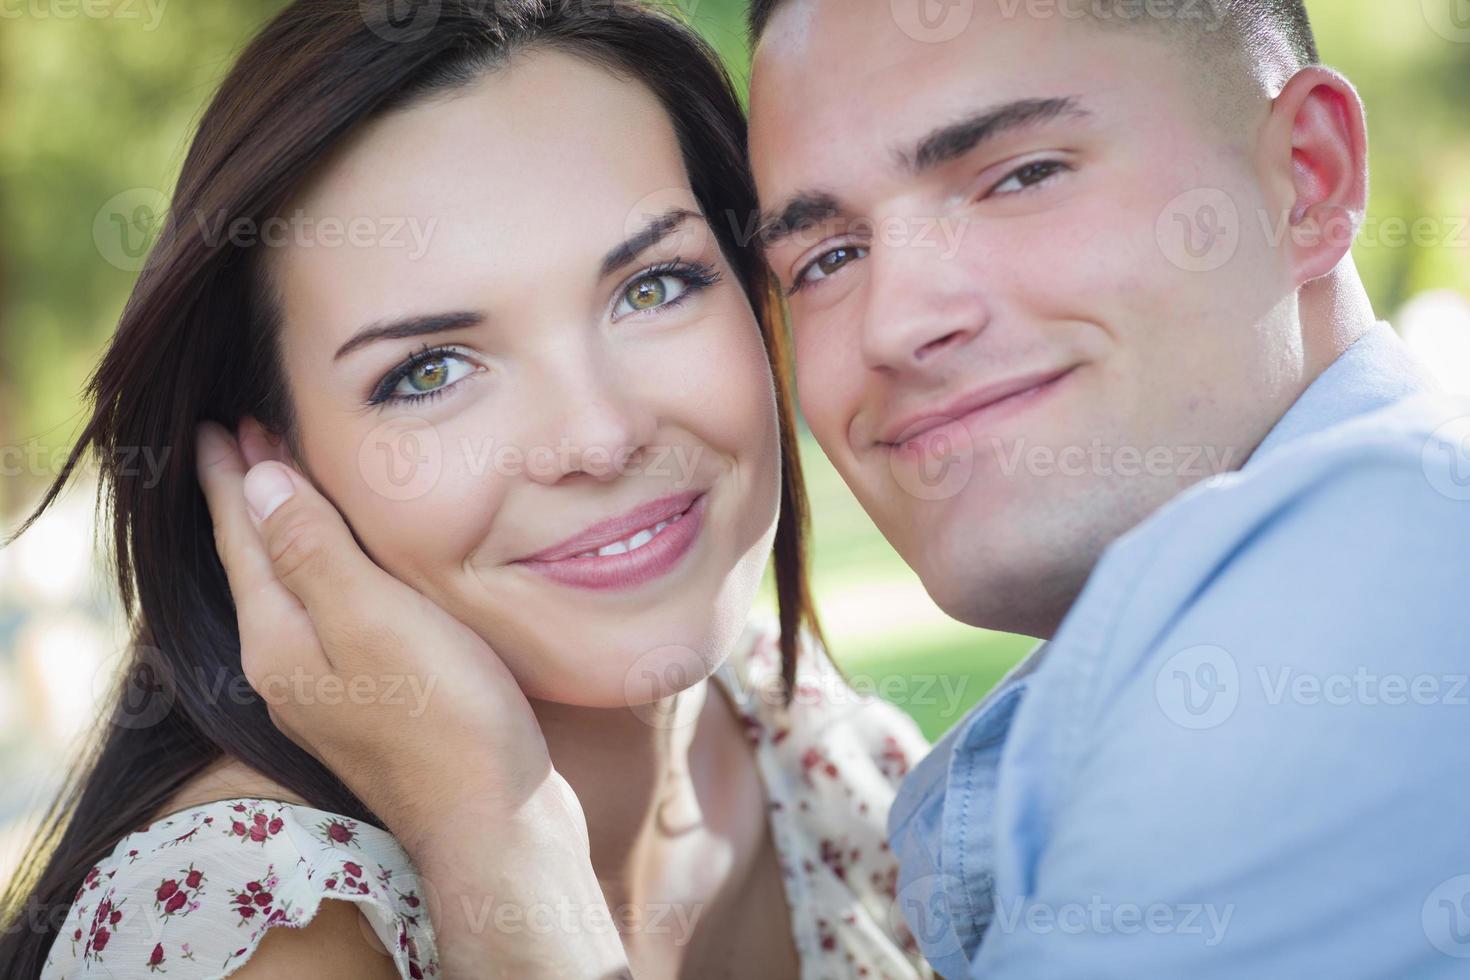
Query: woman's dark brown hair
197	340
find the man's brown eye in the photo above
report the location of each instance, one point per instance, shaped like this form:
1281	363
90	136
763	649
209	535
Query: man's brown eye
1036	172
1029	175
834	260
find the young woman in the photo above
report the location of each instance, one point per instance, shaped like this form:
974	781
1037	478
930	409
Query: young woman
476	295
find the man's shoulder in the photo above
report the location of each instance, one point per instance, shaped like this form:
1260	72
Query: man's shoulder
1371	515
1398	467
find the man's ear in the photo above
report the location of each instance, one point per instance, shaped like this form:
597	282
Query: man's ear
1315	147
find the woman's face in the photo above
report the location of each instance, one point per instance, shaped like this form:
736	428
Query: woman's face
579	459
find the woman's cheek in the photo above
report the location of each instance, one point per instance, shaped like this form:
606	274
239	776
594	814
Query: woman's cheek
735	391
419	498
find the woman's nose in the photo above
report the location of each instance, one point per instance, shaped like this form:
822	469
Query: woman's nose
599	425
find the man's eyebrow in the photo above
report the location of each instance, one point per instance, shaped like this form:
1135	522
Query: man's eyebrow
657	229
956	139
801	210
413	326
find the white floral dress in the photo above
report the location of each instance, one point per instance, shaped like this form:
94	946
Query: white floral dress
191	895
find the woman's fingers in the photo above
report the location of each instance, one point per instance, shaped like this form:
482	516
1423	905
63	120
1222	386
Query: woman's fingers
221	471
276	635
351	601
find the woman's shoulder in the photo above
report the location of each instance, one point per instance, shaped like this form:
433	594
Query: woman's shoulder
197	892
826	713
831	759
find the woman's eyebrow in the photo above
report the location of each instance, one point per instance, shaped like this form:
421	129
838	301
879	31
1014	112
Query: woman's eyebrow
658	228
412	326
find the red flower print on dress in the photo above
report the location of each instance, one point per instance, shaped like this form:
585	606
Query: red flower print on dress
893	763
254	824
155	960
839	857
257	898
815	758
340	831
105	920
181	894
885	882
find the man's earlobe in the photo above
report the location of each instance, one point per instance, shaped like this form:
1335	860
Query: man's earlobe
1328	169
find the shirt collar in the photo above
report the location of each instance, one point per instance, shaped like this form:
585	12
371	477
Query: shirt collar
1375	372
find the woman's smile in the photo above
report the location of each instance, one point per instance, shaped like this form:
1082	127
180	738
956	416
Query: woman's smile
627	551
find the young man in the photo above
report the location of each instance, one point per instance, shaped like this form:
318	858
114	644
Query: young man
1075	317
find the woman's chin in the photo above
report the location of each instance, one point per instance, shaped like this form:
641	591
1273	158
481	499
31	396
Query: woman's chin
621	673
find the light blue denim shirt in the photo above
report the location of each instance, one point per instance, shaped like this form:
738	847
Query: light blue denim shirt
1246	751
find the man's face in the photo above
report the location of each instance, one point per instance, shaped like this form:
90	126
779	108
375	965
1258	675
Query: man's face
1031	289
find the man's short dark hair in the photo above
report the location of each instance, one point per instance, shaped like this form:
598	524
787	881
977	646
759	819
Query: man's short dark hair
1246	19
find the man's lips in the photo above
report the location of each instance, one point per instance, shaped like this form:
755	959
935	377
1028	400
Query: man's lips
618	528
916	424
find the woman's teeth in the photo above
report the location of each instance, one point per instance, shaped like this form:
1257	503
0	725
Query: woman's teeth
632	543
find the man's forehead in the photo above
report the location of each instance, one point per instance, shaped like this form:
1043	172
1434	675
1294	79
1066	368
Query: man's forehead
853	31
826	72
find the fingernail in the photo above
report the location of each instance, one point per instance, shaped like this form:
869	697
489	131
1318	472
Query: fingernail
267	487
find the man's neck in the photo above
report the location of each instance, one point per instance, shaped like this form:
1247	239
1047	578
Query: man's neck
1335	313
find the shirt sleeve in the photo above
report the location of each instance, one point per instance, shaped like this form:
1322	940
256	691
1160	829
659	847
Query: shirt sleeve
192	895
1274	784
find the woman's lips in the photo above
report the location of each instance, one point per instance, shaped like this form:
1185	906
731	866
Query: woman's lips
571	564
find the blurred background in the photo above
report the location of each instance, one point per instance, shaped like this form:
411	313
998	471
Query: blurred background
97	103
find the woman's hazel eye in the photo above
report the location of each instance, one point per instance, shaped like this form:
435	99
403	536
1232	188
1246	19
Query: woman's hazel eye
645	294
652	292
429	375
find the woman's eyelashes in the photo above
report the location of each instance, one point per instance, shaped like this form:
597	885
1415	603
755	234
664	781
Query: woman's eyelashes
425	375
1028	177
434	370
664	286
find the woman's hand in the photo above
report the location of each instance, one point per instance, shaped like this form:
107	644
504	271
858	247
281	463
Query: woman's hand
460	772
